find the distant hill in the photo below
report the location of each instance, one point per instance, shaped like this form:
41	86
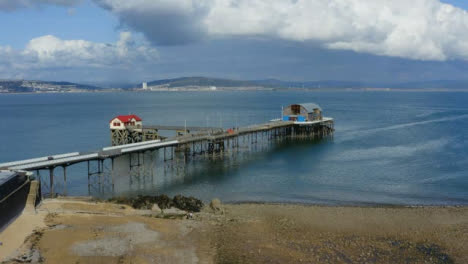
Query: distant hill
325	84
267	83
201	81
309	84
25	86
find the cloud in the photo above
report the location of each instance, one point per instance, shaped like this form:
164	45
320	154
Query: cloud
419	29
48	52
166	22
10	5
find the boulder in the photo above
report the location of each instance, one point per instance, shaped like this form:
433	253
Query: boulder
216	205
155	208
145	201
189	204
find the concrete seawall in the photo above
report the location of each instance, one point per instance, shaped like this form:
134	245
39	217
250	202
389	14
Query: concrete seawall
14	191
20	217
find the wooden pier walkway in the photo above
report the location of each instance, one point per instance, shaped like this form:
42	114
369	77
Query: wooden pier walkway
204	141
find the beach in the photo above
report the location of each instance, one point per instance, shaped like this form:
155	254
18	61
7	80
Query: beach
82	230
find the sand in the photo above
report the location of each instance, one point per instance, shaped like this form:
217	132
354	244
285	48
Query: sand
13	237
78	231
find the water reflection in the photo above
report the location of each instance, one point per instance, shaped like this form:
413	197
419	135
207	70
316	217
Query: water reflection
166	170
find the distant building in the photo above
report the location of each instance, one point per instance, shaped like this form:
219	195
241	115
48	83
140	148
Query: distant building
213	88
145	86
123	122
305	112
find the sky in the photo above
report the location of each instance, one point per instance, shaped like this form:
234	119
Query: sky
121	41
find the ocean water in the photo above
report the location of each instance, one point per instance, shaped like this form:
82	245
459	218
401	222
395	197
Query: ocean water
389	147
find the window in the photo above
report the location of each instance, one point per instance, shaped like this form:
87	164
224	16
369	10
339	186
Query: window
296	109
116	124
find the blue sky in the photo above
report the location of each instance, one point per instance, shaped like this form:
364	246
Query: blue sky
106	41
84	21
458	3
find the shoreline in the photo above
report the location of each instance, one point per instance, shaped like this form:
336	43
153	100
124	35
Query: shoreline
286	203
352	205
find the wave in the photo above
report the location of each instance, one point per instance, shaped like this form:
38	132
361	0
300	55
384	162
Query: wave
399	151
361	133
444	178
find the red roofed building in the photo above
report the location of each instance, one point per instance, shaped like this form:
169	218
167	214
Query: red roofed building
122	122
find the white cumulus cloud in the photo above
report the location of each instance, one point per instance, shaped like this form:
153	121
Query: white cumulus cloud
417	29
52	52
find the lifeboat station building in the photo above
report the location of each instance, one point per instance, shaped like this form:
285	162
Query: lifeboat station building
306	112
122	122
128	129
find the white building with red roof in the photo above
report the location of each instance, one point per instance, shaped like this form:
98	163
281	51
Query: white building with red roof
122	122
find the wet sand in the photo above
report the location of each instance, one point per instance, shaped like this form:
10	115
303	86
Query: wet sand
78	231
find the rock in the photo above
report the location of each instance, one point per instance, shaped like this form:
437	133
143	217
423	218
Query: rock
190	204
173	213
216	205
145	202
33	256
163	201
156	209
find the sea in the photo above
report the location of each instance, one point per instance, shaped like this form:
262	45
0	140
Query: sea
389	148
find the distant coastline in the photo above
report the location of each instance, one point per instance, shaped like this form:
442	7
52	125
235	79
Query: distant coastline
205	84
243	89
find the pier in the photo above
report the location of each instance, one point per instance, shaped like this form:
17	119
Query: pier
130	138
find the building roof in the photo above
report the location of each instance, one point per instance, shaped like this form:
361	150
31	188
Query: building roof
310	106
127	118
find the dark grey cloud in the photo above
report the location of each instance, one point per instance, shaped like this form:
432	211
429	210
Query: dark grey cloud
162	22
418	29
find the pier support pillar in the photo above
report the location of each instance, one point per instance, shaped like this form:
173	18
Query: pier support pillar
89	179
64	180
112	175
51	179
